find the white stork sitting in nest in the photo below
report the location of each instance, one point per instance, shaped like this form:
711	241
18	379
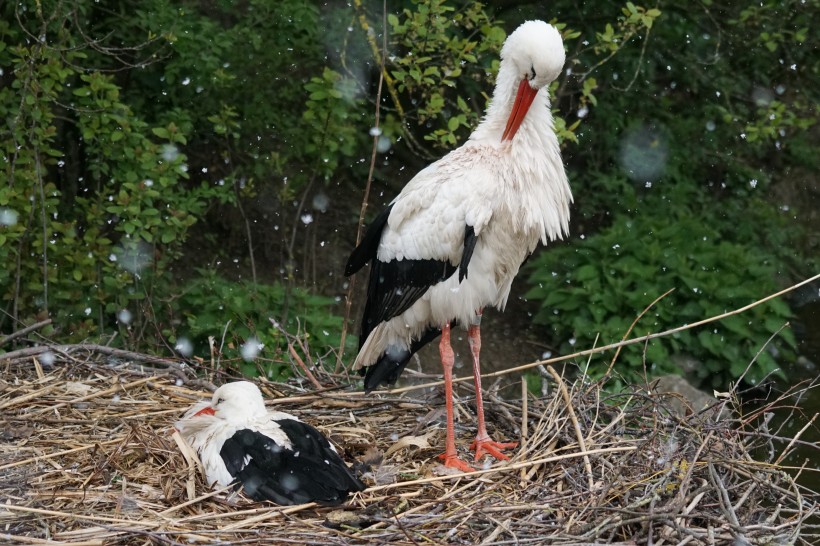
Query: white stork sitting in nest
454	239
273	455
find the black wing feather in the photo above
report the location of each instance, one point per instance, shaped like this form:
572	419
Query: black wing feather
310	472
393	287
369	245
396	285
470	239
387	369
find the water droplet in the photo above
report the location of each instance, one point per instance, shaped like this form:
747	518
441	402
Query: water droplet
251	348
169	152
125	316
321	201
8	217
383	144
184	346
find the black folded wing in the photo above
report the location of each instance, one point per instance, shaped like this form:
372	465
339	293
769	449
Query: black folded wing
308	472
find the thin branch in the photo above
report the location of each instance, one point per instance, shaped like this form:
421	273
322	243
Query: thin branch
579	435
248	233
24	331
611	346
366	196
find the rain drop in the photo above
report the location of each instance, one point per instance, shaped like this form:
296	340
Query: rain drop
125	316
383	144
251	348
8	217
321	201
184	346
170	152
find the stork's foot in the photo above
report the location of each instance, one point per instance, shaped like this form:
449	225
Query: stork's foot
489	446
453	461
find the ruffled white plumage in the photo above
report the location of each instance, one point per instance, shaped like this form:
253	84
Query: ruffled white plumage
206	434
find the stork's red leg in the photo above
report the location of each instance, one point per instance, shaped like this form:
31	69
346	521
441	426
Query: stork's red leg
482	443
450	457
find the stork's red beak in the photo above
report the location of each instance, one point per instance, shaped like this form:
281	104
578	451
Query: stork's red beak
205	411
523	101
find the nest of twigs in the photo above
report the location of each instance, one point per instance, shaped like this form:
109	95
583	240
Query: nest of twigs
87	456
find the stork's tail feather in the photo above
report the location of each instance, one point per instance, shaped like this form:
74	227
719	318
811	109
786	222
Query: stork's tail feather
391	363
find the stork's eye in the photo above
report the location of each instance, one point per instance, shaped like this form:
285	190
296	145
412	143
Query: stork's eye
532	72
219	401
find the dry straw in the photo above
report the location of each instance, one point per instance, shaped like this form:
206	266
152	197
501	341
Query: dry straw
88	457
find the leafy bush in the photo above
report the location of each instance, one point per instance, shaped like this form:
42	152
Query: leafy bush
597	286
116	148
685	180
131	128
213	305
102	208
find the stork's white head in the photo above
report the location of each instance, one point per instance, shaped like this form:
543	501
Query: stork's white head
532	57
536	50
238	401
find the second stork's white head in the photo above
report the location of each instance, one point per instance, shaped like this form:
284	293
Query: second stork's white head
532	57
238	401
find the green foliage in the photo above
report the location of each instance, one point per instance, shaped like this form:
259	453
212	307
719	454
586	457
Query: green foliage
212	305
133	128
89	245
444	59
597	287
684	183
328	111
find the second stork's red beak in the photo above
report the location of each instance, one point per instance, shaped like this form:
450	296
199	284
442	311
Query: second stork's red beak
523	101
205	411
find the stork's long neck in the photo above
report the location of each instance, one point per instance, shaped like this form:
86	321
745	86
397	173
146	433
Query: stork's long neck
538	120
533	152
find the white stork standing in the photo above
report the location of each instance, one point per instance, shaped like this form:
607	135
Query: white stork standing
272	454
455	237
